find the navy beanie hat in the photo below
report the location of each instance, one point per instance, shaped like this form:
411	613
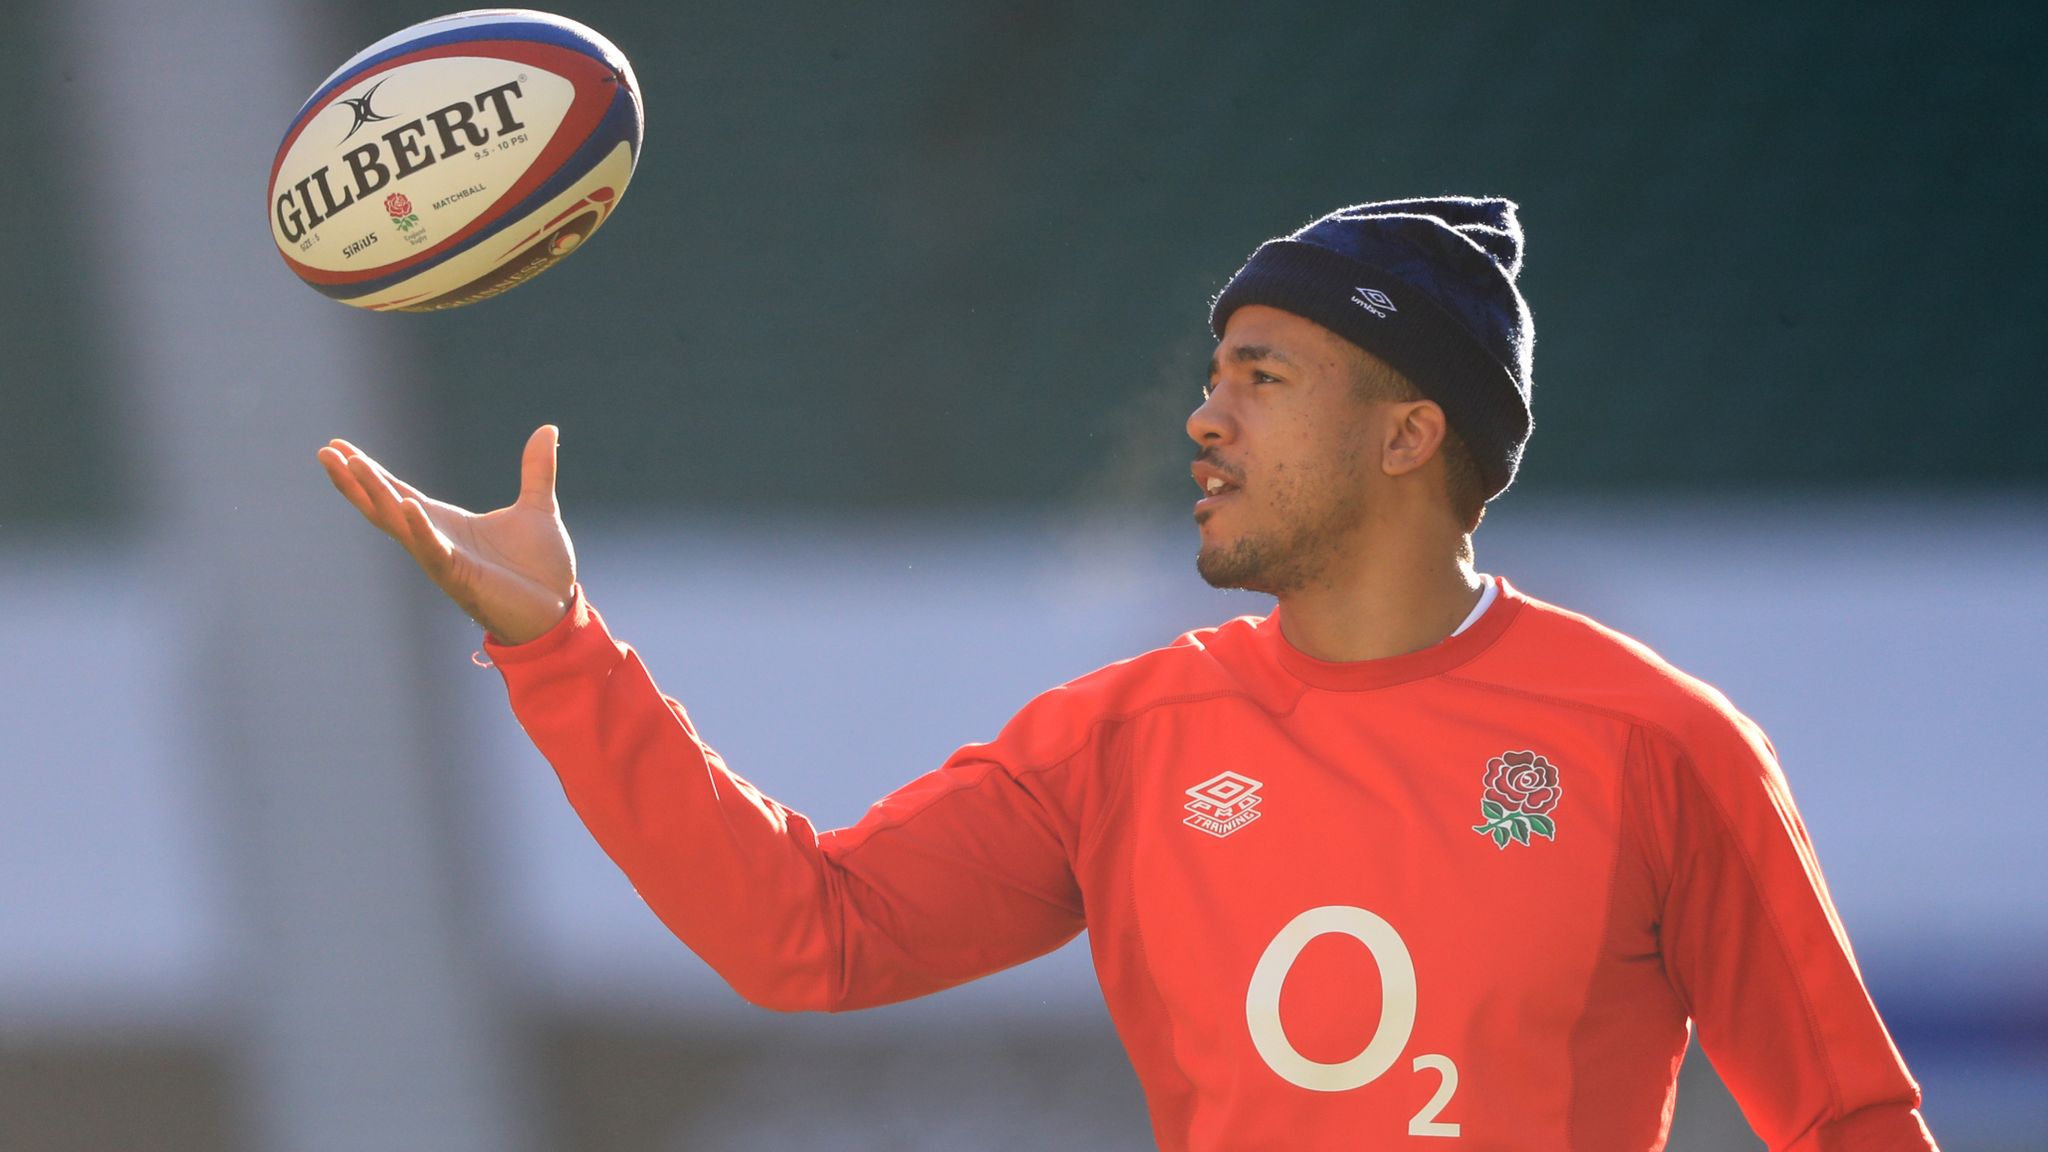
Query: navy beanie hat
1428	286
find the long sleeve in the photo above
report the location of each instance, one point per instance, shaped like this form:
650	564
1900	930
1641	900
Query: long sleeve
1753	946
962	872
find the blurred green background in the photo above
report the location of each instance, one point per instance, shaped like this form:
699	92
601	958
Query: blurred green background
916	256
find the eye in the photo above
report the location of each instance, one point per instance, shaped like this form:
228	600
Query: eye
1259	377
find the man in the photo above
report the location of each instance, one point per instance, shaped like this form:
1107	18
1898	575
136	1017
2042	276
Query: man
1413	857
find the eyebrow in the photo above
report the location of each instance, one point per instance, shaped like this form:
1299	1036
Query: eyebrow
1247	354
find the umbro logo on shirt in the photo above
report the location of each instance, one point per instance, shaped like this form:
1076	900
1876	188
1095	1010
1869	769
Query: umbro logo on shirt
1223	804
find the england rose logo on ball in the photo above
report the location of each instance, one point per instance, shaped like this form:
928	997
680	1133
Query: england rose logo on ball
400	210
1520	791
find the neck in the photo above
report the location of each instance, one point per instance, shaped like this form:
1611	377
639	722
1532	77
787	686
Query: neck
1391	601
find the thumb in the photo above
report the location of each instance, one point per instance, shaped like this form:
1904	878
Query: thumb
537	468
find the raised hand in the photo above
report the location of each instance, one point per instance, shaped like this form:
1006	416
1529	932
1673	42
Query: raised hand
512	570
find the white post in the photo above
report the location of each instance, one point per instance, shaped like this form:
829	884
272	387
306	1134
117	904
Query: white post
362	1017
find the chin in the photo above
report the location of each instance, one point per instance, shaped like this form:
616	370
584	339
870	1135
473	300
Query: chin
1261	563
1237	564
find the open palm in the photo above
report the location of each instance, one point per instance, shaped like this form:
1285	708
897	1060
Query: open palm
513	570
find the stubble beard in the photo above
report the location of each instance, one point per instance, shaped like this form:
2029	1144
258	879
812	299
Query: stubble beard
1253	564
1287	561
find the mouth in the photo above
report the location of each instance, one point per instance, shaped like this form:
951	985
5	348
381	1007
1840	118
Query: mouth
1217	486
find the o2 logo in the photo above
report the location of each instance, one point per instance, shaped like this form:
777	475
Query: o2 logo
1397	1013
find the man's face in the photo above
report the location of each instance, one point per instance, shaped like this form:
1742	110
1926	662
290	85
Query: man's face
1284	449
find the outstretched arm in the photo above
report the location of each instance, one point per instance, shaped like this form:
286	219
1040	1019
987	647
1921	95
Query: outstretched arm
960	873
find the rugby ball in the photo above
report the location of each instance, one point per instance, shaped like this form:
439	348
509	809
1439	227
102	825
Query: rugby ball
454	160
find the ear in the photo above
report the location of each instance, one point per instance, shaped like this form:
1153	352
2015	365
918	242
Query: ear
1413	433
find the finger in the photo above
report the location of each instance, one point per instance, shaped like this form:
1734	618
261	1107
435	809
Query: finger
336	466
434	551
397	485
349	451
537	468
408	490
345	483
384	509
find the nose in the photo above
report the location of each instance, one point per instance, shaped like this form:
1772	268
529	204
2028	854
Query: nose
1210	422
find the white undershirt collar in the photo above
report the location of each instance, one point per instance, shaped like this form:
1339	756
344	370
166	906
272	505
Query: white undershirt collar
1487	595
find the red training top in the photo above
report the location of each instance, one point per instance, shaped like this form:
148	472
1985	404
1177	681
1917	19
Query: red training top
1475	892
